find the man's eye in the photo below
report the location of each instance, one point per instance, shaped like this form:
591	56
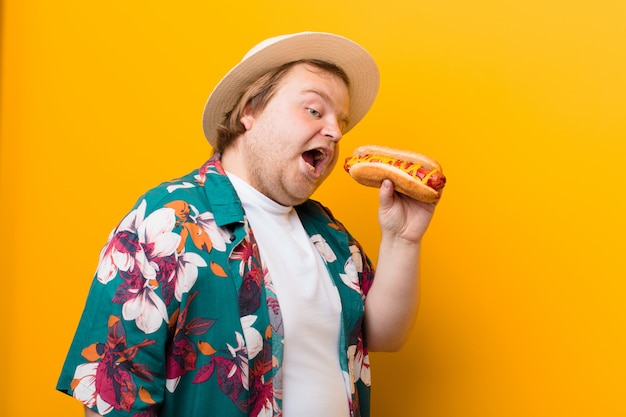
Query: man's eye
314	112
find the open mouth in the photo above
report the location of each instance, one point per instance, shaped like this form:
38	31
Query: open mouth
315	159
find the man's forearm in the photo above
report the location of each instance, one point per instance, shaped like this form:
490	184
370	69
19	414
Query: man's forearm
392	302
90	413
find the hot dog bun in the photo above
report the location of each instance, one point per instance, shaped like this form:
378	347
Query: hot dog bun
372	174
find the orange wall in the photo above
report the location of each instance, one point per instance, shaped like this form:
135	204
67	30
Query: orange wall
523	103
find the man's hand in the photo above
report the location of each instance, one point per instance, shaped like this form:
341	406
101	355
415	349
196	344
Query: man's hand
402	217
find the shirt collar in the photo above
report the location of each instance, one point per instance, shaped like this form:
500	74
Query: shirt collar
223	199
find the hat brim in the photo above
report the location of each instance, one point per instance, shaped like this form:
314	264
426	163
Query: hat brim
355	61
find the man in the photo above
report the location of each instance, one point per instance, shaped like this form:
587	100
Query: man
228	292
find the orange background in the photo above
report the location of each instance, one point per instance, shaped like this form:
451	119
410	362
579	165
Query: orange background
523	103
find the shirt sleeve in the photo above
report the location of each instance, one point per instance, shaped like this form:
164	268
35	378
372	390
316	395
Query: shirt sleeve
116	362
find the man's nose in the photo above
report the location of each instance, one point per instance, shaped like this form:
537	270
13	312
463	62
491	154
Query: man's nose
332	130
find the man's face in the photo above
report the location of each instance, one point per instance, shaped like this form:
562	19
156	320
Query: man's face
291	146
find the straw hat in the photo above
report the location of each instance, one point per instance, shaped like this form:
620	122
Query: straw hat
355	61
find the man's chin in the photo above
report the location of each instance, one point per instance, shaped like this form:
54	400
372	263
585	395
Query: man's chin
295	199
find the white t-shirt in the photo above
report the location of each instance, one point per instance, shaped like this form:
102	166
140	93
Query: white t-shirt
313	384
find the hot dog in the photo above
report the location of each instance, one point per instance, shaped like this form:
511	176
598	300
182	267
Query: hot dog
416	175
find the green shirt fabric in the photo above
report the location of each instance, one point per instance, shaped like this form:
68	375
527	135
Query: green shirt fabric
180	319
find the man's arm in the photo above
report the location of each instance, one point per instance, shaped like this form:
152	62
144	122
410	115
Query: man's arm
392	302
90	413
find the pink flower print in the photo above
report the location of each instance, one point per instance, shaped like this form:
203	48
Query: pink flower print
359	363
357	258
84	386
323	248
212	166
351	277
199	227
117	255
184	354
254	340
218	235
143	252
187	272
183	185
107	381
147	309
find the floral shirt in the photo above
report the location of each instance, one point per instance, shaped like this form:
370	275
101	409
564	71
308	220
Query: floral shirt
181	318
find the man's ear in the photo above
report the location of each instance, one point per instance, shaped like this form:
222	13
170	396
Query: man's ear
247	118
